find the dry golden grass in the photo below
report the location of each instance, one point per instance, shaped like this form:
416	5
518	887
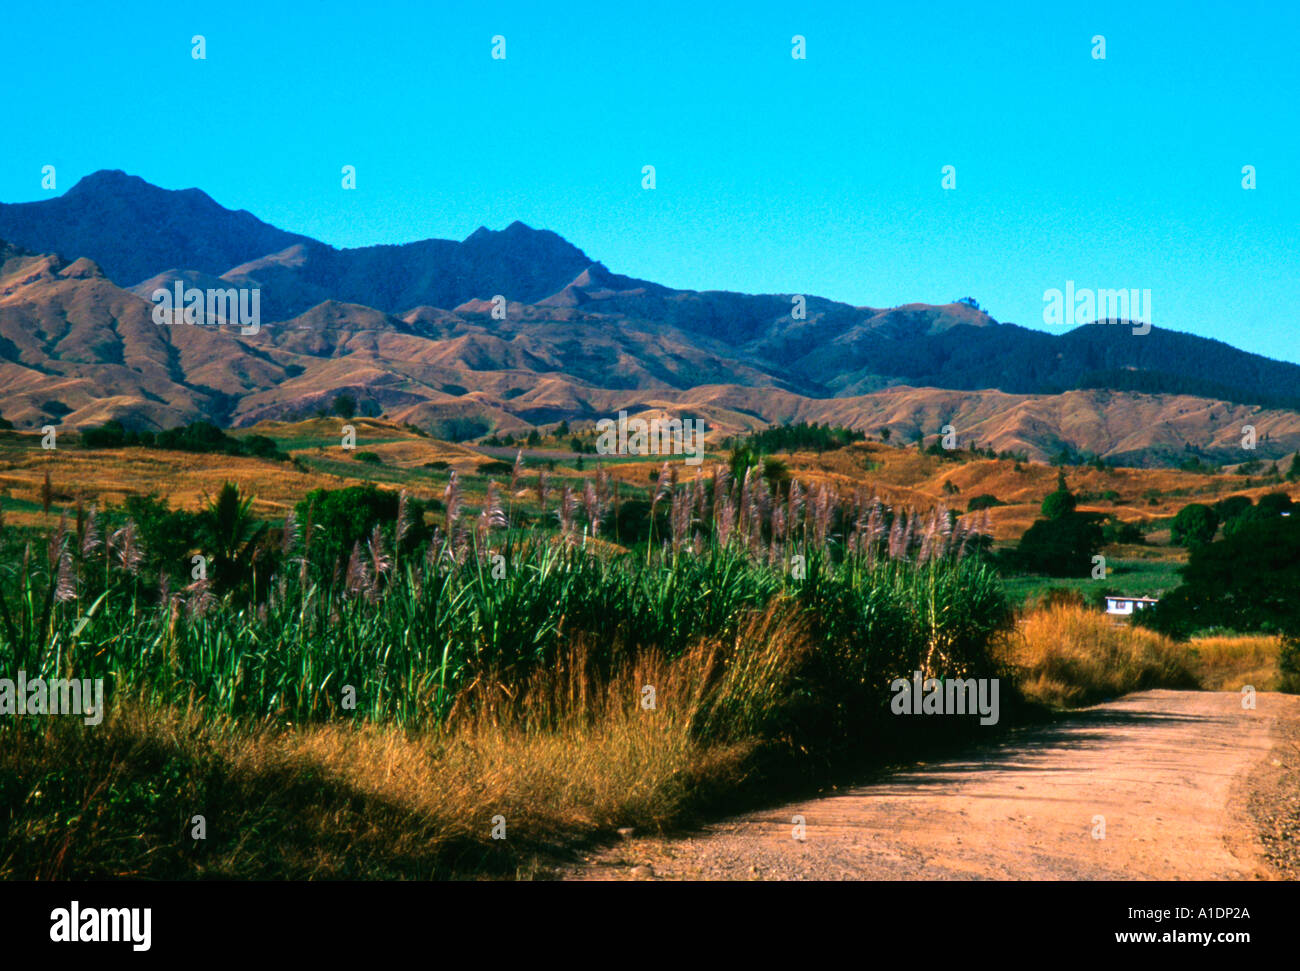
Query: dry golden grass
109	476
561	757
1068	656
899	476
1229	663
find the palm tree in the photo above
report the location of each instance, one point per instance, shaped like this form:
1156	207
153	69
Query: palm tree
230	534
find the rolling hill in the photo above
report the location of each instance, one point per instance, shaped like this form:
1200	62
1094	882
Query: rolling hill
410	331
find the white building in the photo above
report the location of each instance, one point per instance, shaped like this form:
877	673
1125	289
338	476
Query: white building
1124	606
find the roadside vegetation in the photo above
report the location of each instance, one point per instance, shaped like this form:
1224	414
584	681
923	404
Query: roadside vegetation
1067	655
544	673
358	679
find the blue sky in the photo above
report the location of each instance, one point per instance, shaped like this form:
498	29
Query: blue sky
818	176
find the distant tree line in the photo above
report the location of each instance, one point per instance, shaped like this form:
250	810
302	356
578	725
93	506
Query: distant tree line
800	437
1197	524
1247	581
199	436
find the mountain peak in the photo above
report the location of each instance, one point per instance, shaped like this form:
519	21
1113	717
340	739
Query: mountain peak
515	231
81	269
111	180
123	184
133	229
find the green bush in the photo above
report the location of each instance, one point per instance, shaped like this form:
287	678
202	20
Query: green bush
1247	581
1060	547
1195	524
1059	503
340	518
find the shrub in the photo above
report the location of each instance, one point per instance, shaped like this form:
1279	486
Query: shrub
1245	581
1060	547
345	406
983	501
460	429
1195	524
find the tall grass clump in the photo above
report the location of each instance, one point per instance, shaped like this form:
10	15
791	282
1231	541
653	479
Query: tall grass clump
562	755
1069	656
1227	662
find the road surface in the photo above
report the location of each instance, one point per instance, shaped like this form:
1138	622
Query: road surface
1158	785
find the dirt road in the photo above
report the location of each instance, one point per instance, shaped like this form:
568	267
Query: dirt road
1187	782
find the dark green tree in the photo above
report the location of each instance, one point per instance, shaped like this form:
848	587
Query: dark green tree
1232	507
1059	503
1249	580
345	406
167	535
1060	547
1276	503
341	517
1195	524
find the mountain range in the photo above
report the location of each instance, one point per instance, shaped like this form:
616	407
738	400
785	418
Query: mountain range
410	330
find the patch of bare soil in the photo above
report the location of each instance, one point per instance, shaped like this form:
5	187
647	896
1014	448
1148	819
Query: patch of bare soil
1157	785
